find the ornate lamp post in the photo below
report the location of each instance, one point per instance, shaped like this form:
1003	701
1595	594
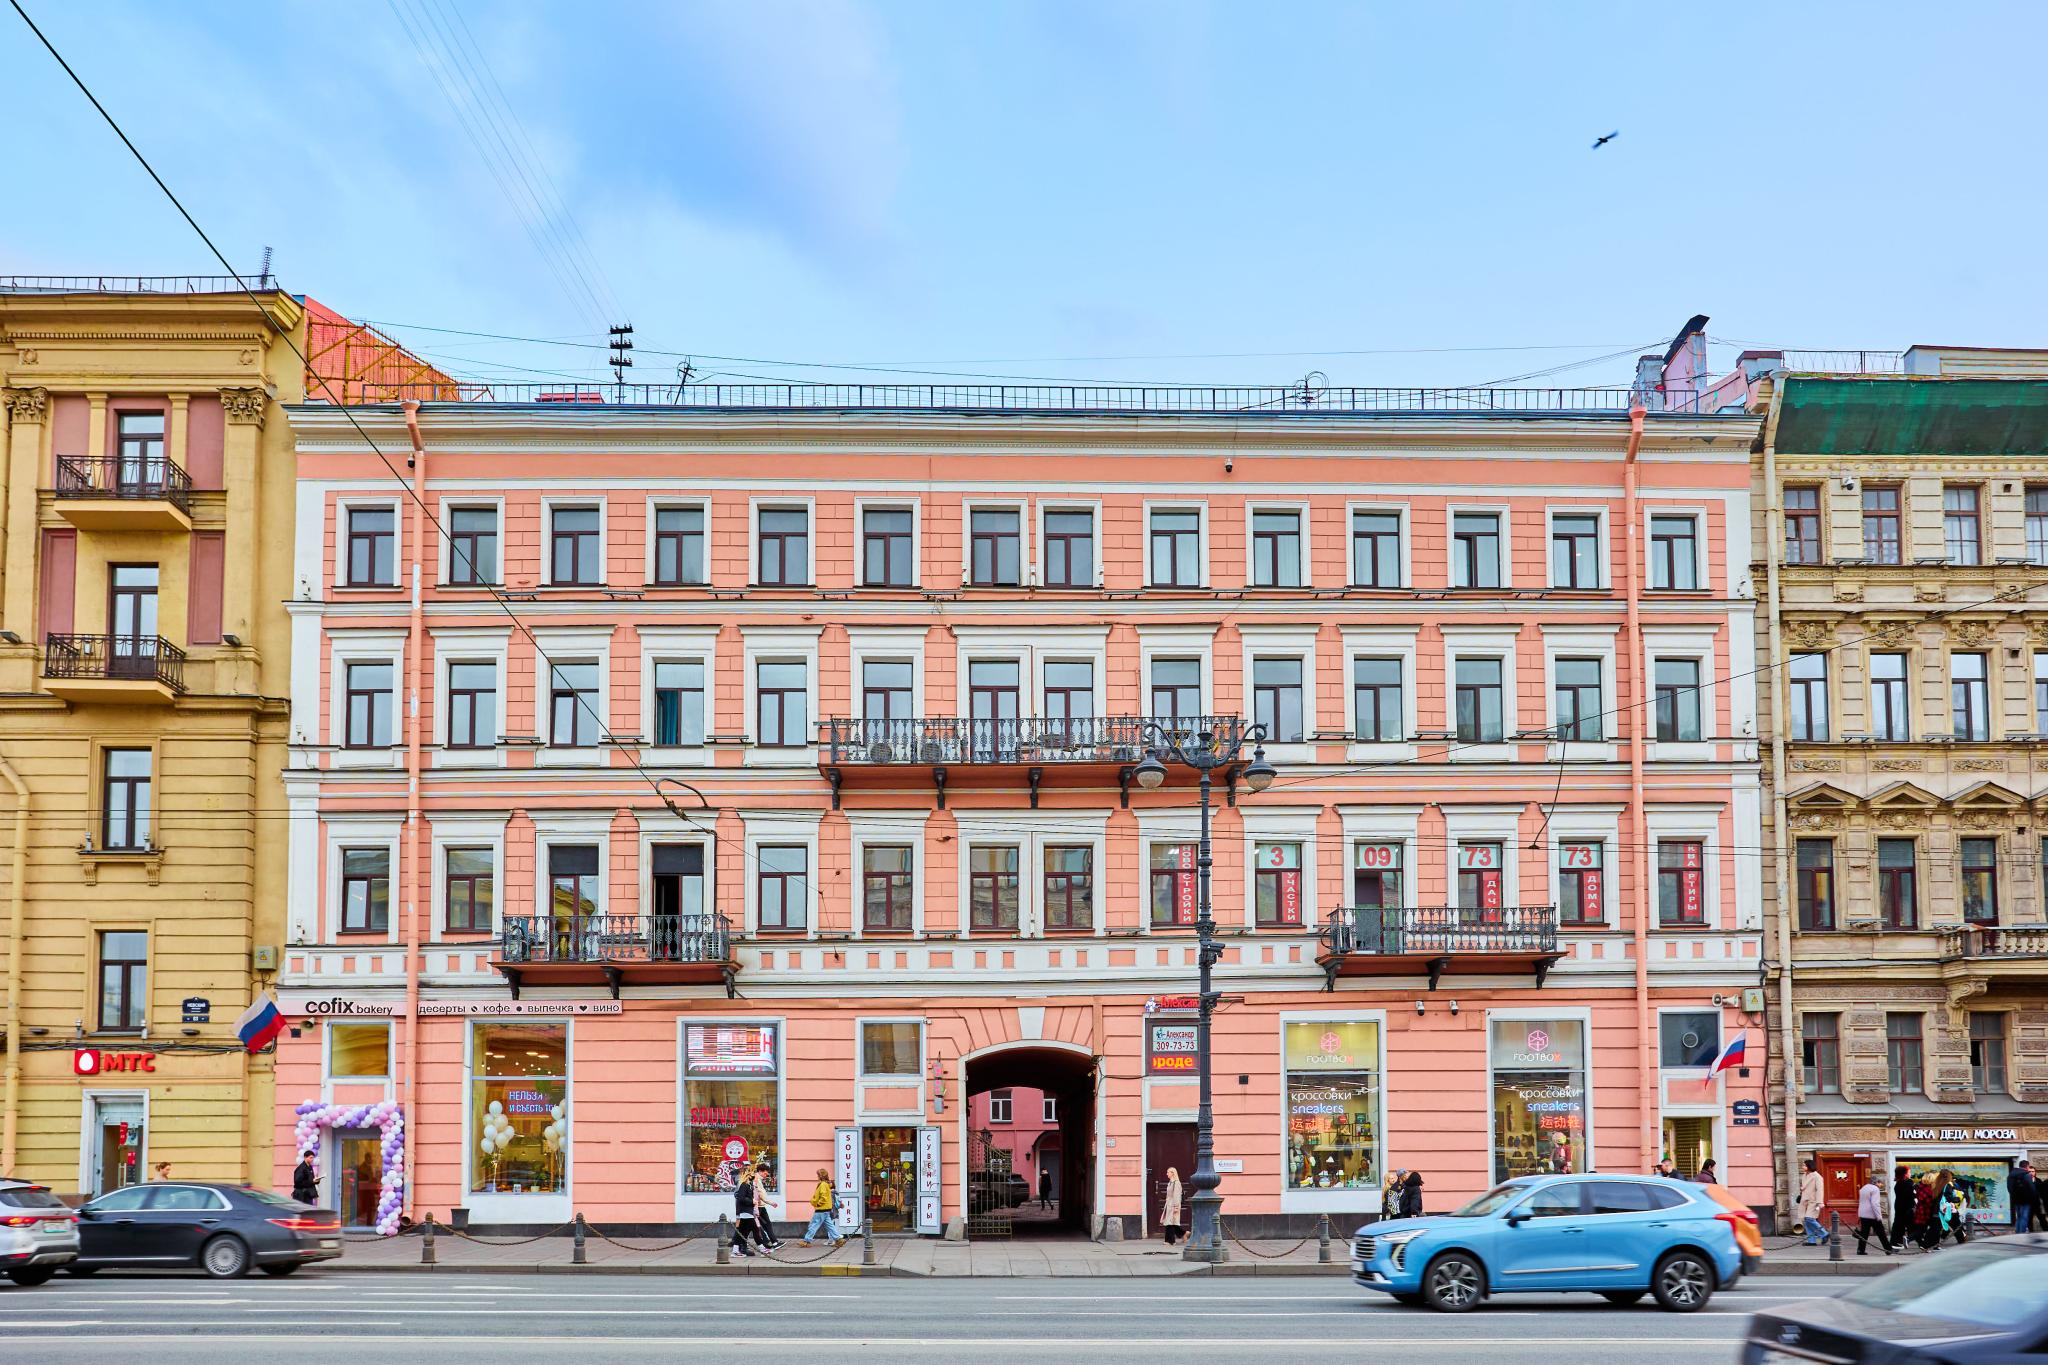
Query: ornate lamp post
1205	754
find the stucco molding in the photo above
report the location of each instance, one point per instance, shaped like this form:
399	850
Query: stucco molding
27	405
246	406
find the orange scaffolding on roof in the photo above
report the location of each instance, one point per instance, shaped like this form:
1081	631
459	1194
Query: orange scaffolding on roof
353	362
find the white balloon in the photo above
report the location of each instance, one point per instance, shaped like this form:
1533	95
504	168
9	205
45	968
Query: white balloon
555	1112
489	1146
496	1107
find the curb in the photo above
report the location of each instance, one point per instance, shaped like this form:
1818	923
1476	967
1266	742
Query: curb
1228	1270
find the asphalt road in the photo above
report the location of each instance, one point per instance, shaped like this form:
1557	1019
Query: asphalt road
492	1319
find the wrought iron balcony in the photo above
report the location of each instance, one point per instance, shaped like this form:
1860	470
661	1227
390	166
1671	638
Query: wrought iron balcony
113	666
123	493
947	740
1393	940
615	950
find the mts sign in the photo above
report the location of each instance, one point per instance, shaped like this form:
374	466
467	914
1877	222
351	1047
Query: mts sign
92	1062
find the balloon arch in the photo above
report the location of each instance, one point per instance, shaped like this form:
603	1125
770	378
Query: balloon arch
314	1118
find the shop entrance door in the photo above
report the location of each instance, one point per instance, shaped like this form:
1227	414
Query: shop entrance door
889	1177
1841	1177
1029	1127
115	1144
1689	1142
1167	1144
358	1177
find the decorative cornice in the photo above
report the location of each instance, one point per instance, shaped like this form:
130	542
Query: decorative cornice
27	405
245	405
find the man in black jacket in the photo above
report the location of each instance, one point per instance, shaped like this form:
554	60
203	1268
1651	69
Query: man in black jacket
1903	1196
2026	1195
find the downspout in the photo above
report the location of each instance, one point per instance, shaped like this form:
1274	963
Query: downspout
1638	708
1788	1019
17	898
416	875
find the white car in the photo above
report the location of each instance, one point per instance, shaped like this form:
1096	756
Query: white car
38	1232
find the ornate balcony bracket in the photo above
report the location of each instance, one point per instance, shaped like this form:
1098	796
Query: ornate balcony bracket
1123	784
612	977
939	785
511	975
1034	776
1543	967
1437	967
836	778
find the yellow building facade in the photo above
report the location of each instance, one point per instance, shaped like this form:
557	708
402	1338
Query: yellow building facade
145	556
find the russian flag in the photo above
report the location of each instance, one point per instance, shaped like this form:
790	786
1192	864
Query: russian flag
259	1024
1731	1055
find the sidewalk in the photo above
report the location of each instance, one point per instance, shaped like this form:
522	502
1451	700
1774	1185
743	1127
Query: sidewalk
920	1257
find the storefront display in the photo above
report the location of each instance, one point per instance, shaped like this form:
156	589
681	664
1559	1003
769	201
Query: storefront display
1982	1178
1539	1097
1333	1104
519	1108
732	1104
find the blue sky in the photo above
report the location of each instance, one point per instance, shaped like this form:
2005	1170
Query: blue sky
1046	189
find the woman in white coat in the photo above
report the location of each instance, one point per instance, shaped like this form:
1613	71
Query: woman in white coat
1169	1211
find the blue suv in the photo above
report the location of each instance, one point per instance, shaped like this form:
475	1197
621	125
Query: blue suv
1619	1236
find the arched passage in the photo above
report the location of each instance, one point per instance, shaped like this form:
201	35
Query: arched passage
1030	1121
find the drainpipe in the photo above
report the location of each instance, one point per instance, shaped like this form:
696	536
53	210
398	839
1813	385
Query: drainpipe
1788	1019
415	827
17	897
1638	710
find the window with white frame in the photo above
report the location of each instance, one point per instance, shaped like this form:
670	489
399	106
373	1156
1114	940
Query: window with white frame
472	545
472	703
891	1048
999	1106
1482	874
1070	547
370	552
1581	882
781	694
887	687
1277	698
782	888
992	888
887	547
1475	550
888	886
1276	885
1681	883
1174	546
678	546
1581	705
1575	550
469	888
1276	560
1477	700
1378	715
995	547
1677	700
1069	689
1069	889
1375	549
572	703
783	547
1808	689
366	698
678	703
1891	713
1376	873
575	545
1176	689
1674	553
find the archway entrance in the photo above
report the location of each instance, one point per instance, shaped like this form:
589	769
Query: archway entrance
1030	1143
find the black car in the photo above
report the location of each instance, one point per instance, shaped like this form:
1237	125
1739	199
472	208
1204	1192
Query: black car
1987	1301
221	1229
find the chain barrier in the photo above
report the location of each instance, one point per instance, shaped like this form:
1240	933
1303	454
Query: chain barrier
517	1242
1224	1228
599	1232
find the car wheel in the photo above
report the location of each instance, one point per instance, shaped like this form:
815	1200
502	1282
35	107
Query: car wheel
1622	1298
281	1270
32	1274
225	1258
1683	1282
1453	1283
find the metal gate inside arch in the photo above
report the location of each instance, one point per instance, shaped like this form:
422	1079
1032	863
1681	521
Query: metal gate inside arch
991	1206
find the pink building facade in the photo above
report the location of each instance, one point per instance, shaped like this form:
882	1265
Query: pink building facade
714	786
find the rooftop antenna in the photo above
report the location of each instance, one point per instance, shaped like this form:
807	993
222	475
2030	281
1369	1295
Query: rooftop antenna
263	276
1309	391
622	355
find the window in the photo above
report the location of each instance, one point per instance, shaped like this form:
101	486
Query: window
124	799
1881	524
1069	887
679	545
1820	1043
1575	550
995	545
1175	893
1969	696
1478	701
1069	548
1176	543
367	698
1692	1038
1677	701
358	1050
1674	553
1962	532
131	617
1681	883
1069	690
992	692
1802	524
732	1102
1808	685
1376	875
124	981
576	550
886	689
1980	881
1539	1097
1376	700
1898	892
1904	1053
1331	1072
139	443
782	896
885	547
1480	868
992	885
1627	1196
519	1075
1987	1052
572	885
1376	549
892	1048
2037	524
365	890
572	705
1475	550
999	1107
1580	874
1276	886
678	886
472	546
1891	715
1050	1110
780	699
885	888
472	704
2041	694
678	702
1579	707
1176	689
1276	549
785	547
471	890
372	547
1816	859
1276	698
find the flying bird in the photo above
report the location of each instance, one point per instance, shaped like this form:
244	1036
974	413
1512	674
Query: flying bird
1605	140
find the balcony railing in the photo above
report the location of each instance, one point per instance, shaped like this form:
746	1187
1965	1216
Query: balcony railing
1372	940
1999	941
134	284
154	478
115	658
1021	739
540	940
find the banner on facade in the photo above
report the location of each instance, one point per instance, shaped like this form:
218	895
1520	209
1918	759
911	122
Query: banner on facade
349	1007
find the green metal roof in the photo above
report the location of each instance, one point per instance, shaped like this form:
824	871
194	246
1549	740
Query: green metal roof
1913	416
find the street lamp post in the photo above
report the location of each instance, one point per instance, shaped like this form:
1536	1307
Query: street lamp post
1207	753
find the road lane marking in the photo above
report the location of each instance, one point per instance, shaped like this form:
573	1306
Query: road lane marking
840	1342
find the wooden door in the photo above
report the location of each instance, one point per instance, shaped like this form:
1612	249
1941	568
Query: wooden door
1841	1176
1167	1144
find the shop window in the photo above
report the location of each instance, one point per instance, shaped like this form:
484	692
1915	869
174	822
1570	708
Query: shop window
1674	553
365	890
1802	524
1477	701
1070	548
372	550
1816	873
1174	886
1376	875
1677	701
678	546
472	704
1000	1106
125	798
470	888
572	705
1987	1052
1277	699
1820	1042
891	1048
885	547
1881	543
995	541
679	702
472	546
1575	550
358	1051
1333	1105
1376	549
1175	535
1980	881
1962	529
1475	550
783	537
1969	697
732	1104
1681	883
1898	892
1905	1053
1276	892
1539	1097
885	888
575	549
1581	877
781	890
1580	710
992	888
124	981
1377	713
1692	1038
1069	888
519	1107
1480	876
1276	549
1809	688
1891	714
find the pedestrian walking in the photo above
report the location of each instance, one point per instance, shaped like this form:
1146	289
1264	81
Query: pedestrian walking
1045	1187
1954	1208
744	1228
1169	1210
1903	1187
1390	1196
1870	1217
1708	1175
306	1180
1666	1167
163	1170
1926	1223
1811	1196
762	1194
2025	1193
1411	1195
824	1199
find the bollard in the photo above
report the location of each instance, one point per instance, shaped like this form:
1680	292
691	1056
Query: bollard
1323	1239
576	1256
427	1242
724	1241
867	1243
1834	1235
